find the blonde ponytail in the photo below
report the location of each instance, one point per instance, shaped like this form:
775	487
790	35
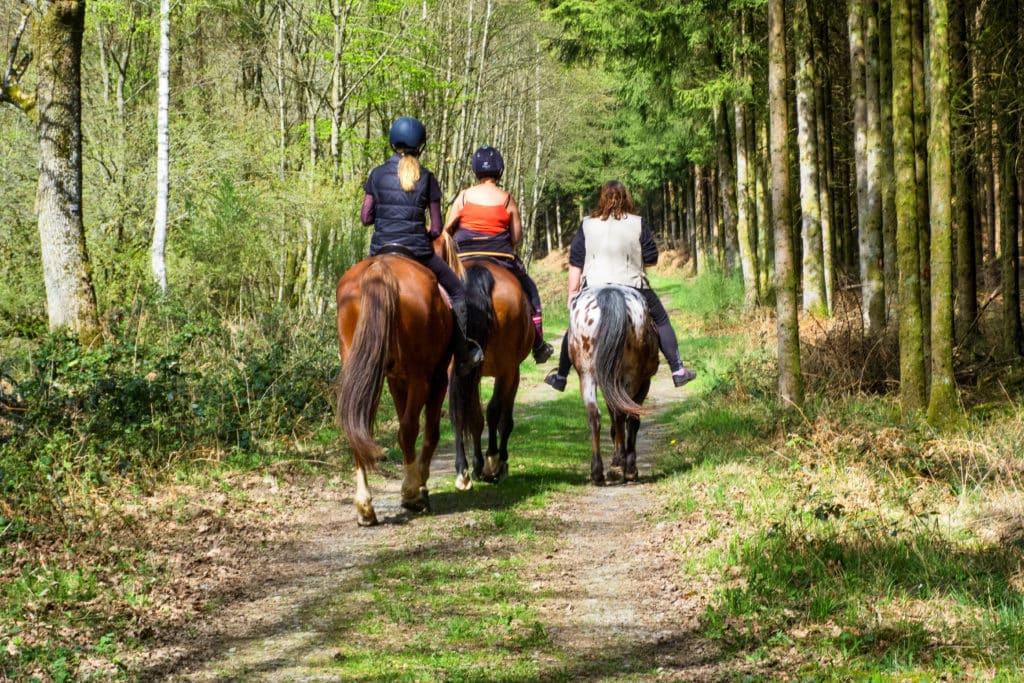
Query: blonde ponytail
408	172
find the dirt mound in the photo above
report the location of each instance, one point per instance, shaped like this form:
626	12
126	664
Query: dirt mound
557	261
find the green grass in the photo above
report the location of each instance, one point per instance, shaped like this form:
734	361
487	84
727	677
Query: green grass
849	543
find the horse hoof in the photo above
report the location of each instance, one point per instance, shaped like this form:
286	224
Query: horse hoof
419	504
615	474
496	470
632	475
366	516
463	482
597	481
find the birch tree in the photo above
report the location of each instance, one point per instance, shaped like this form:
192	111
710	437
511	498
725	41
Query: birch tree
157	251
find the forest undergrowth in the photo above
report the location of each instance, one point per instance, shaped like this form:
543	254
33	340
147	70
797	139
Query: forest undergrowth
849	535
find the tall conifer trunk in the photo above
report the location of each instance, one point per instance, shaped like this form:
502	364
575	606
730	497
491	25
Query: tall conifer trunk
942	400
912	373
791	388
814	296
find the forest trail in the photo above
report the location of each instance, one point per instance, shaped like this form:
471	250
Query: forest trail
614	598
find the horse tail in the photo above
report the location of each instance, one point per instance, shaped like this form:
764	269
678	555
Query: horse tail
609	348
480	317
479	286
362	378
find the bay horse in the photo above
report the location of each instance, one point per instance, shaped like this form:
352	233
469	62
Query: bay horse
613	345
500	321
394	324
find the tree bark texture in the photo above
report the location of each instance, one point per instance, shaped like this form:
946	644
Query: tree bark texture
71	301
942	399
871	242
966	299
814	297
158	249
791	389
912	373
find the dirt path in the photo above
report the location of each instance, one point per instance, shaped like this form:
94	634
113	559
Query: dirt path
617	596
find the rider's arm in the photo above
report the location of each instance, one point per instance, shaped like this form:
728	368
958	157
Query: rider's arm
575	276
648	247
369	213
436	224
454	214
515	222
577	257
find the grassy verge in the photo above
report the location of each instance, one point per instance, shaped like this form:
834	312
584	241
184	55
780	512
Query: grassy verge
852	544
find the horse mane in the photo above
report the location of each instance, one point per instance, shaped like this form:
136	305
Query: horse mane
362	377
448	250
610	337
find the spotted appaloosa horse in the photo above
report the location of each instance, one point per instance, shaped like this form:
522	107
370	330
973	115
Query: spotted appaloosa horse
614	346
499	320
392	323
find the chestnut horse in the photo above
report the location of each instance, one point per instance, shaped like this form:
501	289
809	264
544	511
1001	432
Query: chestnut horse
394	323
614	345
500	321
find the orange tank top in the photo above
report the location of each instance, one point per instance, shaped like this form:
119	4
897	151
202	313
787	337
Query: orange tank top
483	219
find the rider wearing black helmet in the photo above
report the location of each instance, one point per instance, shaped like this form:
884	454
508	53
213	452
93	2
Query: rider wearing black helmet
485	221
399	194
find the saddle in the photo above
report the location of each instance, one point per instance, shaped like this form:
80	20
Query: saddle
406	252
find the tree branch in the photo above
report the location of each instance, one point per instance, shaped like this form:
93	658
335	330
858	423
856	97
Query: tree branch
10	91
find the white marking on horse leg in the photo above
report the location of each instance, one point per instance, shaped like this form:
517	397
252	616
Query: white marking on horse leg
411	482
365	514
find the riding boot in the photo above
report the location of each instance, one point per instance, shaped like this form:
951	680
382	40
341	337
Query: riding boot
468	355
541	349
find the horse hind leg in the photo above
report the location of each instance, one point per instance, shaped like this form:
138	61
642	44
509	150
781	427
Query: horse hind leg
588	389
365	514
617	470
414	496
630	471
499	427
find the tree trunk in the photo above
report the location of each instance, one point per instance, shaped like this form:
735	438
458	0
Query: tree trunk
890	267
159	247
871	242
727	187
963	205
921	163
815	300
1009	261
912	373
765	244
942	399
744	203
791	390
70	298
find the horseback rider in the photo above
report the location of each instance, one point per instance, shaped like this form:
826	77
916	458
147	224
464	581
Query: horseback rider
614	246
485	222
399	193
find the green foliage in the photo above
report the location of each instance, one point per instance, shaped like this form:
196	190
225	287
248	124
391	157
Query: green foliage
170	384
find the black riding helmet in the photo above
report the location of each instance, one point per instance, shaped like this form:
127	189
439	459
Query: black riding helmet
408	135
487	163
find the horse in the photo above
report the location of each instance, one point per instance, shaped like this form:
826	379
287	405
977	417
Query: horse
393	323
500	321
613	345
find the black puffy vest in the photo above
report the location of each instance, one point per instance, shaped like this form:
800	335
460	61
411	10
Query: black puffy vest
399	216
